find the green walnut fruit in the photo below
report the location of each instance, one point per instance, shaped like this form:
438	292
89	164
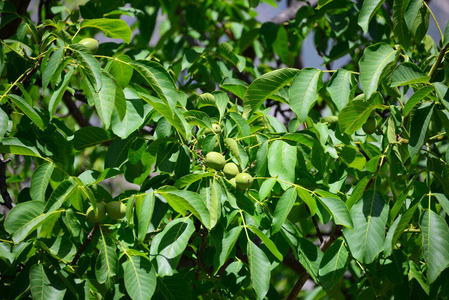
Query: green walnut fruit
90	43
96	217
231	170
370	126
243	181
116	210
215	160
216	128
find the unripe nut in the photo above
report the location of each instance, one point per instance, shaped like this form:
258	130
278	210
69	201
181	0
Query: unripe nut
370	126
215	160
90	43
96	217
216	128
116	210
243	181
231	170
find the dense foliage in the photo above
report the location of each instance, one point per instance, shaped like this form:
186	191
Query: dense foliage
118	160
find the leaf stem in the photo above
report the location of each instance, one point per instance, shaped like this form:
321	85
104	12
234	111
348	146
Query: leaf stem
434	19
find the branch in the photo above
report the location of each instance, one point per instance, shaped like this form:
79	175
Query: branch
86	243
304	275
290	13
74	111
3	188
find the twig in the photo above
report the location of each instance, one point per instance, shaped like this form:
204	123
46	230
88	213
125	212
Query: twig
86	243
318	231
74	111
290	13
304	274
3	189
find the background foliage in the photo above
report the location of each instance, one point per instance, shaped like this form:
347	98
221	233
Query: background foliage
360	214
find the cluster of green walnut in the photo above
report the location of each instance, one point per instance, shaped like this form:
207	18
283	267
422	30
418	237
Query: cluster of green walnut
116	210
239	180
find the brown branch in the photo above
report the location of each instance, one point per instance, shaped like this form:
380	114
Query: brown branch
74	111
304	274
3	188
318	231
290	12
86	243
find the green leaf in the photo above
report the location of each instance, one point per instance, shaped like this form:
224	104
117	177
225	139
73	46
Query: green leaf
242	125
358	192
356	112
59	196
333	264
183	201
59	93
281	161
310	256
283	208
27	110
52	66
442	93
168	245
40	180
110	96
113	28
90	136
368	11
265	86
416	97
400	28
89	64
341	87
408	73
233	147
106	263
144	212
259	267
267	242
236	86
443	200
376	58
4	120
338	210
132	120
228	243
225	50
211	196
369	216
44	285
435	242
121	69
159	80
308	199
140	278
303	92
266	187
24	218
352	157
190	178
419	126
18	146
174	118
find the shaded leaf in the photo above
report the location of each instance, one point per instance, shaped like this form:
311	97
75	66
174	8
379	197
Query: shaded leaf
333	264
376	58
258	267
113	28
283	208
168	245
140	278
265	86
369	216
435	242
303	92
419	126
